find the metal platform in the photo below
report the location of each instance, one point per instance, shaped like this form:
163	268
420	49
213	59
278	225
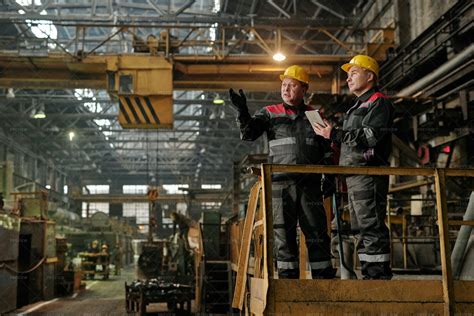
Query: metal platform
270	296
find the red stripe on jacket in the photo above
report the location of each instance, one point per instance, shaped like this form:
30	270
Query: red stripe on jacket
280	109
375	96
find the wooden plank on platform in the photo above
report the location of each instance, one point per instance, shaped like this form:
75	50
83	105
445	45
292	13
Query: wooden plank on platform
465	308
400	171
464	291
258	299
427	291
268	216
357	308
445	251
367	297
241	279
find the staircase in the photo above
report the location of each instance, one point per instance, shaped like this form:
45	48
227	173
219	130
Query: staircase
217	287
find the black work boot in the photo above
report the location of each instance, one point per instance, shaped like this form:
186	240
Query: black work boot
378	271
326	273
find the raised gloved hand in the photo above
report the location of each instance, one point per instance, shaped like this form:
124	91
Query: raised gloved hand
239	100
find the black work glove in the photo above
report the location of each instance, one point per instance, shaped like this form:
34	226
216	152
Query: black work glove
239	101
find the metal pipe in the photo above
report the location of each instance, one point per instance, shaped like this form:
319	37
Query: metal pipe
367	7
317	3
184	7
464	234
417	87
156	7
273	4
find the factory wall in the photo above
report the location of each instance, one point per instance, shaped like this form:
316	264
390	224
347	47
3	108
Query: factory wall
23	170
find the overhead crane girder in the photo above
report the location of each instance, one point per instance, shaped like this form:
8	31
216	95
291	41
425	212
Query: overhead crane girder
251	72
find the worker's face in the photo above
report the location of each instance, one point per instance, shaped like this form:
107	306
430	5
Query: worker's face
292	91
359	80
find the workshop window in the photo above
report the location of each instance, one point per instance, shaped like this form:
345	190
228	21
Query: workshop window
176	188
96	189
138	210
211	186
135	189
95	207
211	205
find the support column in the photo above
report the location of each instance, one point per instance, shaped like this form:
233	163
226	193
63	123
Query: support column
116	209
445	251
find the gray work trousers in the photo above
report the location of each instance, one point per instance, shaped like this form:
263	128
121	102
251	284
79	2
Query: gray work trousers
368	203
294	202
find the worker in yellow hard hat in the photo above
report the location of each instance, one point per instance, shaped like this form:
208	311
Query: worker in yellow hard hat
295	197
92	250
366	140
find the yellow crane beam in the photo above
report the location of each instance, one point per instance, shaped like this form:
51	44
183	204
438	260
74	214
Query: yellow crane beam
252	73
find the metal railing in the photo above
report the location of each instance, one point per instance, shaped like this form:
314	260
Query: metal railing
440	187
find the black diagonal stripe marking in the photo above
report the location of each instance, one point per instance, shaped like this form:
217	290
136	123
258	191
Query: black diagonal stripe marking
140	106
132	108
124	113
152	110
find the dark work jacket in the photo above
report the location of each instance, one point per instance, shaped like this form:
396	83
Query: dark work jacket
291	138
365	137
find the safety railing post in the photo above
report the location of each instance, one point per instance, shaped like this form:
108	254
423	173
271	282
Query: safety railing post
268	214
445	251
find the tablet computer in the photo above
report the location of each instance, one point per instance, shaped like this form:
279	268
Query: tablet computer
315	117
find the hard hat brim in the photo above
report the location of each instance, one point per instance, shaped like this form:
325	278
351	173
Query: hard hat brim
347	67
283	77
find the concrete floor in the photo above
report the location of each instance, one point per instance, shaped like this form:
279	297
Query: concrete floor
97	299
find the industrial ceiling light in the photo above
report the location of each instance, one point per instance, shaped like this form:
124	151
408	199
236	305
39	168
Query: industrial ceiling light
10	93
218	100
71	135
279	56
39	113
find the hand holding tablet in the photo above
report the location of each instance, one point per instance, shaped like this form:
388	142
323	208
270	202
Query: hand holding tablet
320	125
315	117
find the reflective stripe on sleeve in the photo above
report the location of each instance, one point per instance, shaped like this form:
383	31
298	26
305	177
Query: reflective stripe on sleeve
287	265
384	257
320	265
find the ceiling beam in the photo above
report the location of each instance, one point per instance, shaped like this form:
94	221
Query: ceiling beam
59	71
127	198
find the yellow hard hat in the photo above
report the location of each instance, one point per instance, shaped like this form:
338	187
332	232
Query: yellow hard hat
363	61
296	72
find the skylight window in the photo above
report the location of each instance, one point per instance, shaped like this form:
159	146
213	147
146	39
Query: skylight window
217	6
135	189
211	186
93	107
40	28
175	188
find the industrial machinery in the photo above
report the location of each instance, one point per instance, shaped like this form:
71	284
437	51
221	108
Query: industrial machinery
192	264
114	234
9	230
167	269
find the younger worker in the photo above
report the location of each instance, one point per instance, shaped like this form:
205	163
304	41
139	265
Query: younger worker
366	140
